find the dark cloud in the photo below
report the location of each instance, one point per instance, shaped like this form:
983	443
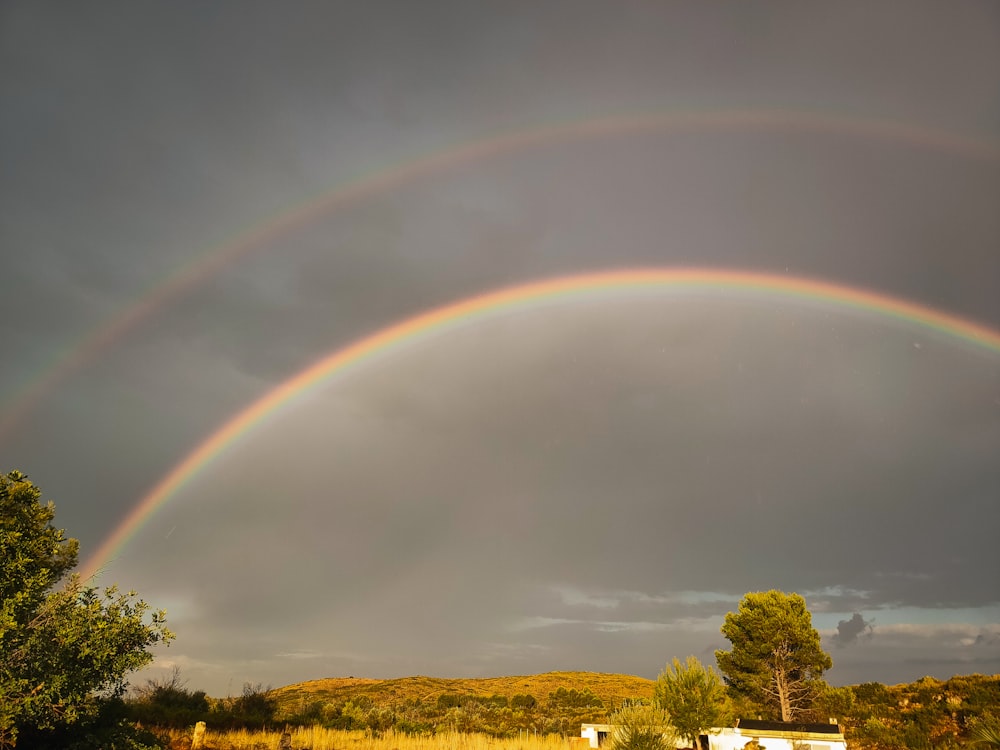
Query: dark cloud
849	631
591	483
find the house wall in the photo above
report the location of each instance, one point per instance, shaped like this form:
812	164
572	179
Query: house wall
596	733
733	739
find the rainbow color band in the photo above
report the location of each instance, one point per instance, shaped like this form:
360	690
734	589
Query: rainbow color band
495	302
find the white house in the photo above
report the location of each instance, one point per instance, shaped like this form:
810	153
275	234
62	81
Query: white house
769	735
777	735
596	733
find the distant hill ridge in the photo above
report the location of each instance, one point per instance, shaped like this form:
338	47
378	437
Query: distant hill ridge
612	689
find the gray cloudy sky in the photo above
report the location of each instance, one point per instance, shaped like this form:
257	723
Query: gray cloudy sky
590	484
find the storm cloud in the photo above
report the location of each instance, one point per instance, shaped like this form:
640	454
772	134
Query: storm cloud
590	482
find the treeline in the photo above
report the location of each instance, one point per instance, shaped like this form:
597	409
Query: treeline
168	703
561	712
924	715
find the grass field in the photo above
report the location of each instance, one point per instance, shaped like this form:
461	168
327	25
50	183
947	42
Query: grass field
318	738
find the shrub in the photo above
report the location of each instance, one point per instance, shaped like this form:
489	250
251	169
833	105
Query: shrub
638	726
523	702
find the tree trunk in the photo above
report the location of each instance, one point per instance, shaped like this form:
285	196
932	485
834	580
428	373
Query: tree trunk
781	683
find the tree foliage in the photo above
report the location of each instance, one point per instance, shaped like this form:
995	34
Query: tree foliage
64	652
693	696
927	711
776	659
166	702
642	726
257	705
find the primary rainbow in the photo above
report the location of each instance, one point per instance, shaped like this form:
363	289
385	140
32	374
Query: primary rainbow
216	258
497	301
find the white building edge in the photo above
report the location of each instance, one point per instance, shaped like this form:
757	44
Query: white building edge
769	735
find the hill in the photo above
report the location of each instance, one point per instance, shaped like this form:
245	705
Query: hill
567	687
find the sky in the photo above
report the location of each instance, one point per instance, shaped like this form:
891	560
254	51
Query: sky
199	202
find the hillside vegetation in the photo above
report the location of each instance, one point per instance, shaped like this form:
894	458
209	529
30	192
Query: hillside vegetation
612	689
554	702
921	715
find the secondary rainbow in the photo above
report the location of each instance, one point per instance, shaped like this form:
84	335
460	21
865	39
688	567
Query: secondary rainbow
218	257
495	302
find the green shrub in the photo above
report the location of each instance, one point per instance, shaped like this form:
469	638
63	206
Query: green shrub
523	702
639	726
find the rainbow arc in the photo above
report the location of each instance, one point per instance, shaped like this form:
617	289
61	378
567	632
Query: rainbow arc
496	302
215	259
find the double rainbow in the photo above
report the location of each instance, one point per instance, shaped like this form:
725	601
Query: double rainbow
215	259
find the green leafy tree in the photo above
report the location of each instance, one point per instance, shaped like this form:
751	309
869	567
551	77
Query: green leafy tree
694	697
776	659
64	652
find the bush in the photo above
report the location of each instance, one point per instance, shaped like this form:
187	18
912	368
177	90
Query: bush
642	727
448	700
256	707
311	714
523	702
167	703
108	729
572	698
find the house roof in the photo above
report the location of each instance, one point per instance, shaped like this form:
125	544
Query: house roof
787	726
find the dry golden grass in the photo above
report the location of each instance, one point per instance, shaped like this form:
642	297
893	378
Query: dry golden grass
318	738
